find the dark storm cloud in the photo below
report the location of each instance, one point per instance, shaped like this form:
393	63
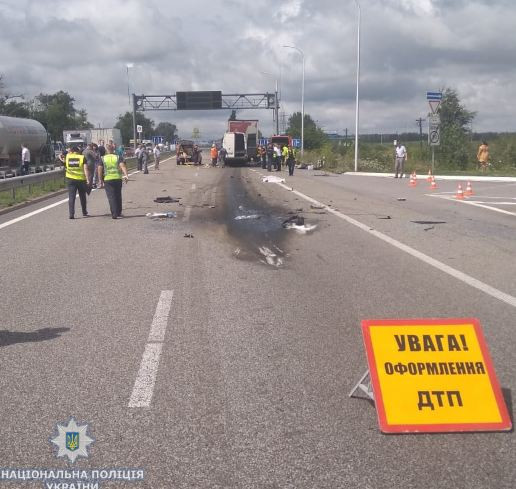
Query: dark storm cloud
408	47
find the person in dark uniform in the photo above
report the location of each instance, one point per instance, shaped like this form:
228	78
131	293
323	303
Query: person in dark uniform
111	172
77	180
270	156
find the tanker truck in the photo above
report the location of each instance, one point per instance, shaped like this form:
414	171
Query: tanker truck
14	132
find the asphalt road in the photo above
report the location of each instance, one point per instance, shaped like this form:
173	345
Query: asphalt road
225	359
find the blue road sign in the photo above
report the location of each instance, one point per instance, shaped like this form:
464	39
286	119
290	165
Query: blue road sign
263	141
296	143
434	95
158	139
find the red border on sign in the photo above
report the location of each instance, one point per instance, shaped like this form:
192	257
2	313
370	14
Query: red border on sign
385	427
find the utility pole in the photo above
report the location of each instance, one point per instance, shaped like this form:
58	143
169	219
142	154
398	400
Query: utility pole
420	124
346	140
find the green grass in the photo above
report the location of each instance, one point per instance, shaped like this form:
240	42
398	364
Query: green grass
27	193
379	158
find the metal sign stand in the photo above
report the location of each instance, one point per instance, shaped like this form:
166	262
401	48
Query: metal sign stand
363	385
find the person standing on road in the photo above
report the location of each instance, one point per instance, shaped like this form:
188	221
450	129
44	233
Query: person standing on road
222	156
277	151
401	157
102	148
270	156
483	156
111	172
284	154
77	180
143	160
214	154
157	154
25	160
291	161
90	160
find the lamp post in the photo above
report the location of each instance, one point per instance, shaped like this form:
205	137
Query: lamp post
127	66
357	111
302	98
276	103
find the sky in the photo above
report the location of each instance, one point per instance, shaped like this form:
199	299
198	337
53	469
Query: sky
407	48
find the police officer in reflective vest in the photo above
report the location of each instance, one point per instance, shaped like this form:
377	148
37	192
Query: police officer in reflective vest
111	172
77	180
291	160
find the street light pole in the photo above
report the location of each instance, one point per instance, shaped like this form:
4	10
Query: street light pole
357	111
127	66
276	102
302	98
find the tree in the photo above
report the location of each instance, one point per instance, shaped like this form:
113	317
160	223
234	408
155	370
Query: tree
455	127
314	136
125	124
57	112
167	130
11	107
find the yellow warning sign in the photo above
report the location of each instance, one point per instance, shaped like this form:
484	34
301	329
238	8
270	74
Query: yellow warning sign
433	375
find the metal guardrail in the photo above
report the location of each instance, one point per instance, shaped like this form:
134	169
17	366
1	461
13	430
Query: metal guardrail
15	184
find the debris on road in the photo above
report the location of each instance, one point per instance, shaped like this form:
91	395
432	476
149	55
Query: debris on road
305	228
250	216
401	199
272	179
312	206
271	258
161	215
295	219
166	200
428	229
188	235
386	217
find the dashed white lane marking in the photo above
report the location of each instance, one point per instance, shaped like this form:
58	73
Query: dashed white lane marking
159	322
51	206
463	277
146	378
193	186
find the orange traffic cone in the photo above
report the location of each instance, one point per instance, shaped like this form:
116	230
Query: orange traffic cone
413	180
433	184
429	177
460	194
469	190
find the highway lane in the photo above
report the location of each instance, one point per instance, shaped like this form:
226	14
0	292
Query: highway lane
257	359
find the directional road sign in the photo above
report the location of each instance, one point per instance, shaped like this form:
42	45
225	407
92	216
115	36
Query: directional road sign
434	100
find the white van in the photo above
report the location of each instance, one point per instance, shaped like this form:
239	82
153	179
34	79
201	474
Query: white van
234	144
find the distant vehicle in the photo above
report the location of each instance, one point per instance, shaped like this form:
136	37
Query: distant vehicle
282	140
250	128
76	137
13	132
234	144
105	134
184	151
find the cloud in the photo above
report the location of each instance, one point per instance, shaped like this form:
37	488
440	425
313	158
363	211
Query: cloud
407	47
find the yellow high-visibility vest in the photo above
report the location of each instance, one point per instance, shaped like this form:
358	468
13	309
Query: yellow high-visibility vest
75	166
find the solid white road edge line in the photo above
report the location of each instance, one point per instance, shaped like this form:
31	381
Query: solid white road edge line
477	204
143	389
463	277
51	206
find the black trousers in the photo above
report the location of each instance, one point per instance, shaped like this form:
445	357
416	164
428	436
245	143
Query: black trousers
75	186
114	196
291	163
